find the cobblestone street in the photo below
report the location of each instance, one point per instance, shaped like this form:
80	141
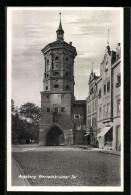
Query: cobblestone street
61	166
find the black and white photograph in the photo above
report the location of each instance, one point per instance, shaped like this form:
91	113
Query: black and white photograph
65	99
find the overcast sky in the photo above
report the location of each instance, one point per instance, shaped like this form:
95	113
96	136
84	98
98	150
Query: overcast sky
32	30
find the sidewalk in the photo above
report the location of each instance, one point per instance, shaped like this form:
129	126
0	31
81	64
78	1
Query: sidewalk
16	172
114	152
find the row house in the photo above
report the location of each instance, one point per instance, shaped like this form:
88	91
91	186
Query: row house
107	96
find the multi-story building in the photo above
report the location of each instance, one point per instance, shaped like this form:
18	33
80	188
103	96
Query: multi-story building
62	118
108	89
91	107
116	77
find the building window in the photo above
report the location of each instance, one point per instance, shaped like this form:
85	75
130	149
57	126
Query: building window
100	113
56	86
46	87
47	96
118	80
92	105
99	93
118	107
108	108
76	116
104	111
48	109
104	89
108	86
56	58
62	109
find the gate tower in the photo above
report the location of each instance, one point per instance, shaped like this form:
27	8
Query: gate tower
57	97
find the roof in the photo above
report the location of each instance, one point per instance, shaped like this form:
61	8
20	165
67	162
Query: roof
59	43
92	77
78	102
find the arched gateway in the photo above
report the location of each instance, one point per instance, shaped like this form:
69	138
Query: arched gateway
55	137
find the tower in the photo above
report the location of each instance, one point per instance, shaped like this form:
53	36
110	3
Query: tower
57	97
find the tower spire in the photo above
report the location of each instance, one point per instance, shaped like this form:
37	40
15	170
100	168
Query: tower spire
60	31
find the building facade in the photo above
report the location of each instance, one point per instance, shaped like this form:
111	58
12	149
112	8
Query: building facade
108	100
91	107
62	118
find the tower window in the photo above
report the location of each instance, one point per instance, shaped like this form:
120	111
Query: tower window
76	116
62	109
67	87
48	109
48	61
67	59
56	58
67	73
46	87
56	73
56	86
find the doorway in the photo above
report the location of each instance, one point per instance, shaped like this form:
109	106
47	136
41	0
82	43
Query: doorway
55	137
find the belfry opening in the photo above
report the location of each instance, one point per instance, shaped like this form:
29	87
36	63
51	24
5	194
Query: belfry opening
55	137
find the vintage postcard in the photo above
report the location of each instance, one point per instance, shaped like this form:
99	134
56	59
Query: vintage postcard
65	99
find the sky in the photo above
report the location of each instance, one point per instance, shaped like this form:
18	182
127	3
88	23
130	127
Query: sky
31	29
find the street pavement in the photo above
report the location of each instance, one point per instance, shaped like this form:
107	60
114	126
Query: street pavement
65	166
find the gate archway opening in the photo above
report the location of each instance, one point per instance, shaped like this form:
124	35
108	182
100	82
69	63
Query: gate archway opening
55	137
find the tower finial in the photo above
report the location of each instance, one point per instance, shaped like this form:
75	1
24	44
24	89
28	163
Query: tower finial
60	16
92	67
108	38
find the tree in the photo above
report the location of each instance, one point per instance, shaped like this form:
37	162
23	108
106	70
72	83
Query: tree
31	114
25	122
